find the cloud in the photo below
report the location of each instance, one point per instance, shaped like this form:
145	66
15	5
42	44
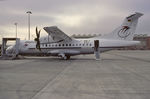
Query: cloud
2	0
72	16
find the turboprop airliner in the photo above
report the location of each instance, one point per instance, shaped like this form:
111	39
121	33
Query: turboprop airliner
57	43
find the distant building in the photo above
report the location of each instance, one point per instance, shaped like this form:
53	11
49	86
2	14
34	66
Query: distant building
143	38
85	35
144	45
145	42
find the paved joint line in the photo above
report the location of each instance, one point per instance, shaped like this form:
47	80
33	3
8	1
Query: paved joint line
49	82
130	57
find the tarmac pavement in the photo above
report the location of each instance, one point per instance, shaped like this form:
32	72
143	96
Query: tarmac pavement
118	75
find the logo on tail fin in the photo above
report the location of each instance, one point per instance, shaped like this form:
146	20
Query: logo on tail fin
124	32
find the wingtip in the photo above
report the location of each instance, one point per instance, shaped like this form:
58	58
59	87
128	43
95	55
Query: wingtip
50	27
139	13
135	15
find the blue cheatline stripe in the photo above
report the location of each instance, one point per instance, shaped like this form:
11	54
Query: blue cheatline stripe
60	48
75	47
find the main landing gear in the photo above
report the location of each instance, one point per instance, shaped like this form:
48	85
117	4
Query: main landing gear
65	57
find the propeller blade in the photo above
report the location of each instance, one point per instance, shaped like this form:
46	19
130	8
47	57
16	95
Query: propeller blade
39	33
37	39
36	32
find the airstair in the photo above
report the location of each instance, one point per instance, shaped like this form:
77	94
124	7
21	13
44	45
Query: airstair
14	55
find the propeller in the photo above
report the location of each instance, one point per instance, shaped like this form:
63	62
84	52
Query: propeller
37	39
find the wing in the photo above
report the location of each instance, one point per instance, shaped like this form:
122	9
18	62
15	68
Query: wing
57	34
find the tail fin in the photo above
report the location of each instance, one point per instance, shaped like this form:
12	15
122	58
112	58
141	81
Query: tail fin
127	29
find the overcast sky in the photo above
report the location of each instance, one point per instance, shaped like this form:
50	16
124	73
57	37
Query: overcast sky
71	16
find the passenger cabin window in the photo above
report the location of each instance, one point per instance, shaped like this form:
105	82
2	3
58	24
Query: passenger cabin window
69	44
63	44
59	44
66	44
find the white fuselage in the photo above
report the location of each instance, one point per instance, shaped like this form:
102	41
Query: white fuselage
75	47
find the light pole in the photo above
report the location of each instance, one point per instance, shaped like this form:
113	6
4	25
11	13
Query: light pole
16	28
29	12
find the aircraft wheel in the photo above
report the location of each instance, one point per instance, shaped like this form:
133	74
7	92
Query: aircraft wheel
65	58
